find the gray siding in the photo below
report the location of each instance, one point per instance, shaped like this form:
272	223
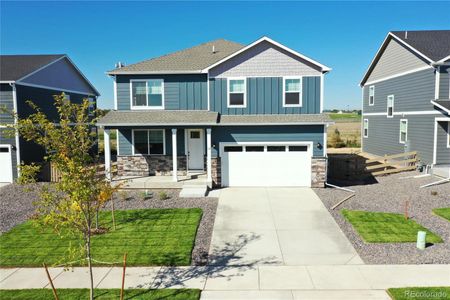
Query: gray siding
313	133
61	75
264	59
384	136
265	96
442	151
6	102
412	92
181	92
125	141
444	88
395	59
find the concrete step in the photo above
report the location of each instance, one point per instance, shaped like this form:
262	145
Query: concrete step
193	191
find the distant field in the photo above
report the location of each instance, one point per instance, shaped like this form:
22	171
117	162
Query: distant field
345	116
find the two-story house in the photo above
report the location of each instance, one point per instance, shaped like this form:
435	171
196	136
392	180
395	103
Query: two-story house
37	78
406	102
246	115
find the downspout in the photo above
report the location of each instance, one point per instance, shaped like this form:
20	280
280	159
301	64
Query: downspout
16	115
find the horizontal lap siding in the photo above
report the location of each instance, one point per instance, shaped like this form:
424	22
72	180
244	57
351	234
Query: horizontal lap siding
6	102
265	96
384	134
442	151
412	92
181	92
310	133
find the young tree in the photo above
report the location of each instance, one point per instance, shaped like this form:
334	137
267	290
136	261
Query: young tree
70	205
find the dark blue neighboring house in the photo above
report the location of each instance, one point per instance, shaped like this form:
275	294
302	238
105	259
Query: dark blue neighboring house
37	78
406	98
245	115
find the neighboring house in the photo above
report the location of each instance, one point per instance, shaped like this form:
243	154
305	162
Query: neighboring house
247	115
37	78
406	101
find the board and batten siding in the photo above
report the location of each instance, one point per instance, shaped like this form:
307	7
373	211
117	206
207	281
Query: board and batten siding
265	96
181	92
444	77
412	92
262	60
442	150
395	59
288	133
384	136
125	146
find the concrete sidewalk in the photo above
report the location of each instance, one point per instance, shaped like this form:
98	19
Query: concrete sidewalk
259	282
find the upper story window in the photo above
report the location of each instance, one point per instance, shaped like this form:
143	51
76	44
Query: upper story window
147	94
149	142
371	95
366	128
91	106
237	92
292	92
403	131
390	106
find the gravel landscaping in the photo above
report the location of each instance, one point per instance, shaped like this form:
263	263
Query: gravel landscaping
389	195
16	206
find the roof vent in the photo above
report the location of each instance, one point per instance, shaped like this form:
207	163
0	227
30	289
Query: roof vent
406	35
213	49
120	65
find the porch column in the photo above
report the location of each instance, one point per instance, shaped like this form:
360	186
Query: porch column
174	154
107	149
208	155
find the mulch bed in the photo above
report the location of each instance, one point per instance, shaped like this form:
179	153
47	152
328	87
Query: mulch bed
389	195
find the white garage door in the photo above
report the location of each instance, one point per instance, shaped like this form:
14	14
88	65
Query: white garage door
5	164
266	165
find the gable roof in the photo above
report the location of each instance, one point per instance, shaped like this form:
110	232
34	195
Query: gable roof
15	67
433	46
201	58
190	60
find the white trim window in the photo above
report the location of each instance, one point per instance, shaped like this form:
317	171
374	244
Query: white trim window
371	95
292	91
366	128
236	94
390	106
149	141
147	94
403	137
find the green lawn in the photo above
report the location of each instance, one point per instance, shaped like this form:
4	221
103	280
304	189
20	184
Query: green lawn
345	116
429	293
378	227
443	212
149	236
75	294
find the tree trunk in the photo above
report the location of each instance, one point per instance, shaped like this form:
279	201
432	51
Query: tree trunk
88	256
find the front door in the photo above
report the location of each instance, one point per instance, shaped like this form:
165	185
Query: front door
195	149
6	164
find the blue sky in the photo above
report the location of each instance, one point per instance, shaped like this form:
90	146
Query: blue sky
342	35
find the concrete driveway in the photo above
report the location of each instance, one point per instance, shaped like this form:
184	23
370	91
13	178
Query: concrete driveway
279	226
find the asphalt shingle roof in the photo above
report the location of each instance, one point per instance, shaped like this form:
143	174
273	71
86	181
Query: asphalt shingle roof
189	60
14	67
435	44
158	118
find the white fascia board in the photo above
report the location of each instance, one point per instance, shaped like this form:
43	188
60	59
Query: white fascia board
267	39
99	124
155	72
397	75
440	106
276	123
7	81
411	48
81	73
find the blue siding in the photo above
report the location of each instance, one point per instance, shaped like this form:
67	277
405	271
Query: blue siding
292	133
265	96
181	92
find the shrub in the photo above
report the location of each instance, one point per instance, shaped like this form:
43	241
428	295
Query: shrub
163	195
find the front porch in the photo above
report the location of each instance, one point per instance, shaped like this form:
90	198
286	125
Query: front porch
161	182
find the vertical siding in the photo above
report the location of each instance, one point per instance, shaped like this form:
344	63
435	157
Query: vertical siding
442	151
413	92
395	59
265	96
444	92
181	92
384	134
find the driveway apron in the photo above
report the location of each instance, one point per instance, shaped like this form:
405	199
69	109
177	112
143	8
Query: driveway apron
277	226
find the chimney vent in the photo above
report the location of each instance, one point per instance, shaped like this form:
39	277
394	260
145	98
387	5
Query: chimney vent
213	49
119	65
406	35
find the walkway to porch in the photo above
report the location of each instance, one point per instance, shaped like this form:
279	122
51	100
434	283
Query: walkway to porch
161	182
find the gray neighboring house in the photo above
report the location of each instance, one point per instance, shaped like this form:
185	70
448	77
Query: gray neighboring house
406	102
245	115
37	78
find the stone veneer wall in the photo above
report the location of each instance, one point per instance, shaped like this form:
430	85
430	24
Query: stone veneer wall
146	165
216	172
318	172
